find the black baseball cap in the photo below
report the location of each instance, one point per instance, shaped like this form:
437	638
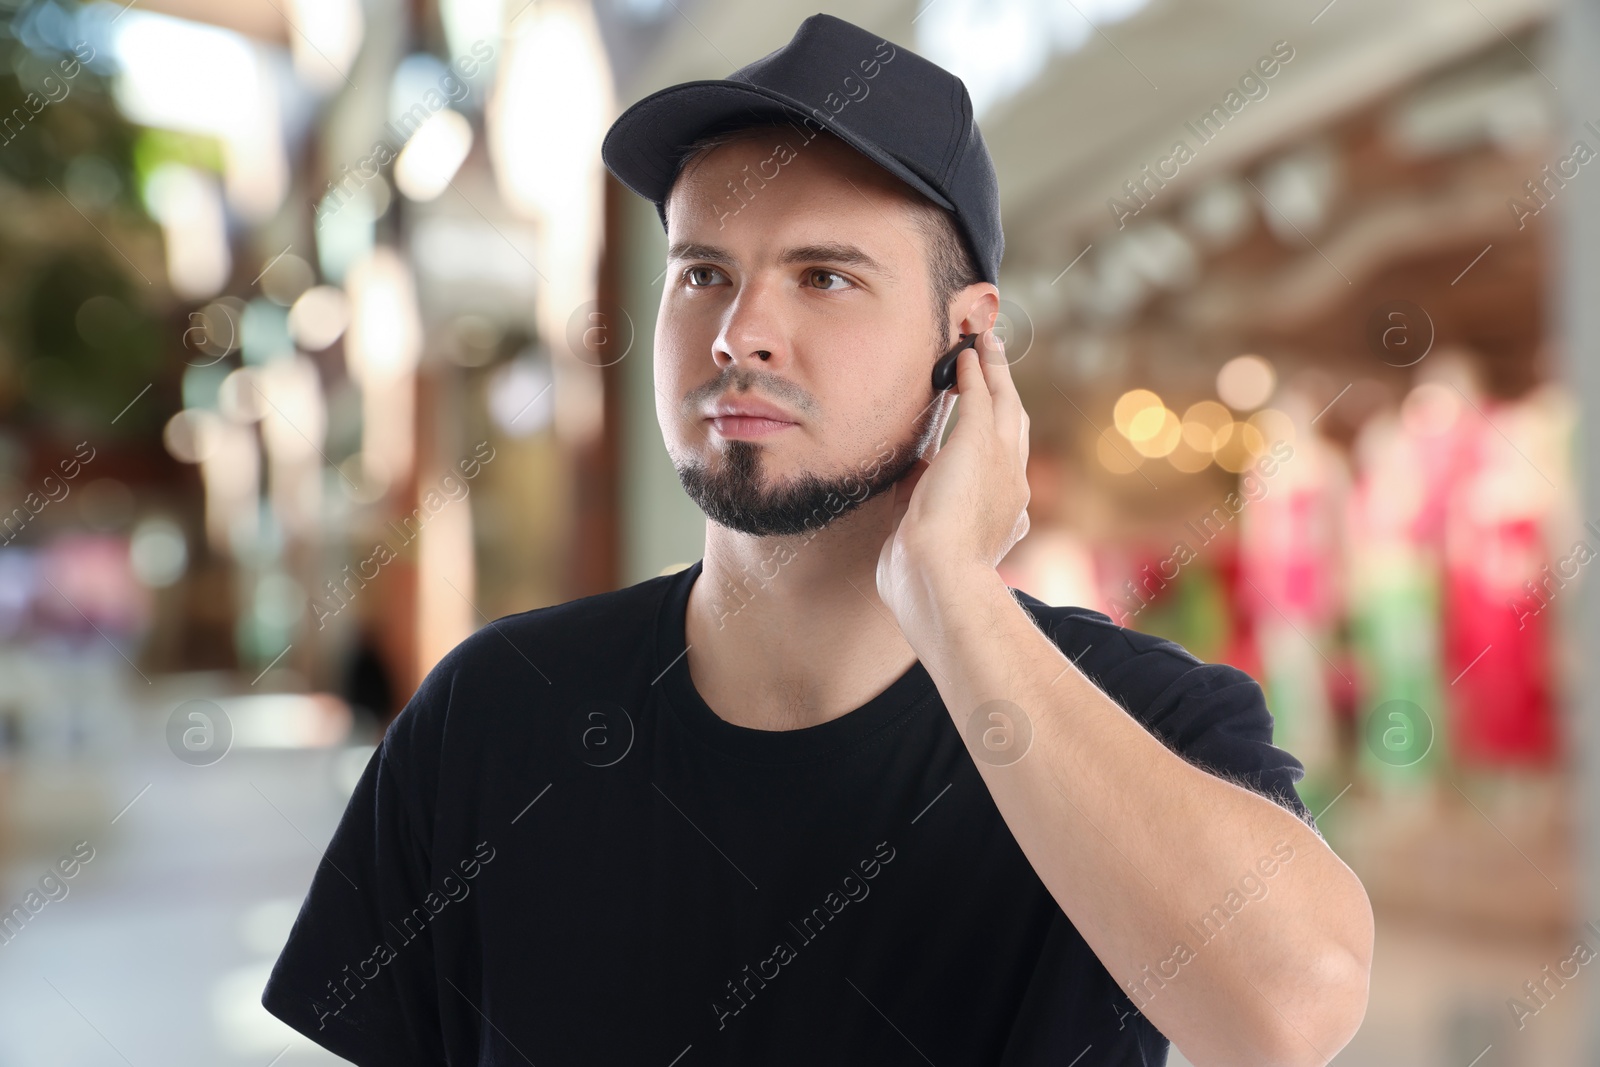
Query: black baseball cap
911	117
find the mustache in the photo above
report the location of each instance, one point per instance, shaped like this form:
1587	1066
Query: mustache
746	380
770	384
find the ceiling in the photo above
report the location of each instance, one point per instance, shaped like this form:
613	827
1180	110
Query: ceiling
1066	143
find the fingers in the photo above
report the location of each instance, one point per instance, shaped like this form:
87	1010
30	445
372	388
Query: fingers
992	432
996	410
1007	414
996	368
993	354
989	364
972	387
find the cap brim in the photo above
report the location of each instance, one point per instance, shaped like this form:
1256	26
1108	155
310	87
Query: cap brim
644	144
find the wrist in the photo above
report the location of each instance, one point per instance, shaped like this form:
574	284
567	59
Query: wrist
947	596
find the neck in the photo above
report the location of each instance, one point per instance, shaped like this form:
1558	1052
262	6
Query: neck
789	632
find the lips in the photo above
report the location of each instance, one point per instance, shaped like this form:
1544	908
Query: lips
748	418
749	409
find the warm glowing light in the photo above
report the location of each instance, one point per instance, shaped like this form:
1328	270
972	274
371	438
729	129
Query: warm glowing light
176	74
468	21
1238	446
162	62
433	155
319	317
189	435
554	52
381	352
1246	382
188	205
1187	458
1117	457
1149	422
1164	432
385	331
326	39
1130	404
295	418
446	575
1274	426
1201	424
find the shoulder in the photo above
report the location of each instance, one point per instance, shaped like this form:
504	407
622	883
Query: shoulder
1141	665
574	632
1213	714
522	662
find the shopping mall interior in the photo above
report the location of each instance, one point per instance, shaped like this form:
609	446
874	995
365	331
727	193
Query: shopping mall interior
326	340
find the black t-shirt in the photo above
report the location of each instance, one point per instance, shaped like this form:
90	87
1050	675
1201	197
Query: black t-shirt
560	855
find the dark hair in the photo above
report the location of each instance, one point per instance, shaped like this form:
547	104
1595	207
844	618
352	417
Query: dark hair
950	262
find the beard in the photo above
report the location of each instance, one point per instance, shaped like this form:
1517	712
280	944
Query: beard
734	492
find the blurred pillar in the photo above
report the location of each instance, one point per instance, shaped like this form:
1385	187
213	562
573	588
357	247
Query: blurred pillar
446	590
1577	35
594	551
553	87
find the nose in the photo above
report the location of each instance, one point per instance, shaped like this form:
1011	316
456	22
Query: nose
752	334
725	359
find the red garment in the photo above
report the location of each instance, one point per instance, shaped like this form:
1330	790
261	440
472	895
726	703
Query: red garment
1503	712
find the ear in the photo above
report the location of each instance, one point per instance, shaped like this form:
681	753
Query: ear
980	303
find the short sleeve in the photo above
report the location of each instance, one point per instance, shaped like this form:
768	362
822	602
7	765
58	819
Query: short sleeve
1212	714
357	973
1215	716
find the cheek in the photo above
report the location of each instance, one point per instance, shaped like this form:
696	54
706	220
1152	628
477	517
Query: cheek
668	403
675	375
860	415
883	376
670	345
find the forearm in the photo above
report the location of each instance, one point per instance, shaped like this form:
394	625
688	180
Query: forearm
1138	846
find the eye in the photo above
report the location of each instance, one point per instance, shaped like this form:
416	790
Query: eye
693	276
813	276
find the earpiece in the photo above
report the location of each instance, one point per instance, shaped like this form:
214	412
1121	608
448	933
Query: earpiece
944	371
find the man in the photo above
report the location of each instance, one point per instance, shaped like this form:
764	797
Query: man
834	793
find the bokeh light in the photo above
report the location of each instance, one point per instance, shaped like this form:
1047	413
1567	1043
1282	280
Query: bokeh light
1246	382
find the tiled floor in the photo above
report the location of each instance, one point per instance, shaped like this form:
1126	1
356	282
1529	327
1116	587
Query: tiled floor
158	951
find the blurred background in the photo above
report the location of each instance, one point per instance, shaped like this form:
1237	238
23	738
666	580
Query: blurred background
325	339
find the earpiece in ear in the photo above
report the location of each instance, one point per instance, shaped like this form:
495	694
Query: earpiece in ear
944	371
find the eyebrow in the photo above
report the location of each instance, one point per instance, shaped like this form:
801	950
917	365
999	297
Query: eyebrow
846	255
